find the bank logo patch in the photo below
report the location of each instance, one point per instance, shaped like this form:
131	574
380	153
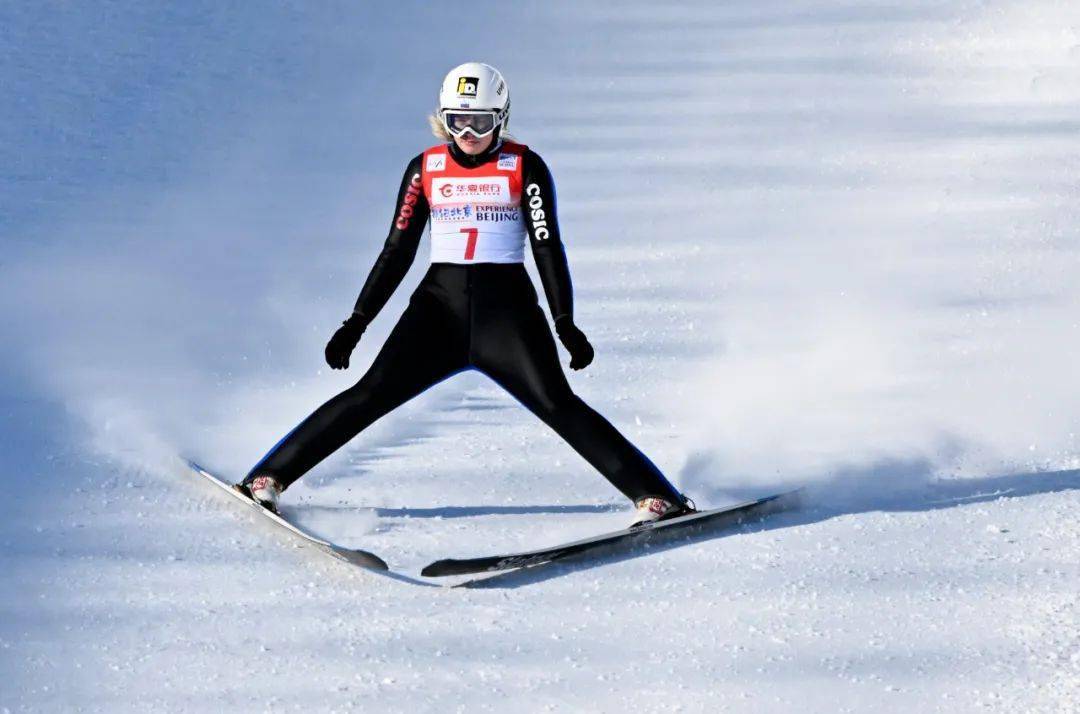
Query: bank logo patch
459	191
466	86
435	162
508	162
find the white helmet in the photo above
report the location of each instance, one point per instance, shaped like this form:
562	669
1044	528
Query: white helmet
474	98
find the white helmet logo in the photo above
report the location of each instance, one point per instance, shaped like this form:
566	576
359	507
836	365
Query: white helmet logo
466	86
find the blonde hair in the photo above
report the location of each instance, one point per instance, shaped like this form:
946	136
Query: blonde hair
440	131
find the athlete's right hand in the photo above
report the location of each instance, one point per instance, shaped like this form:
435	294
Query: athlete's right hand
575	342
341	345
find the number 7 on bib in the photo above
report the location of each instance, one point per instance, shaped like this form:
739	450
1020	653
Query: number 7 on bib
470	241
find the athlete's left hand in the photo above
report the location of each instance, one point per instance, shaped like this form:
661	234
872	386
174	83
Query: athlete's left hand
344	342
575	342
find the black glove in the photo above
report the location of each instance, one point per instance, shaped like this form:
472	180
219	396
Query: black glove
575	342
344	341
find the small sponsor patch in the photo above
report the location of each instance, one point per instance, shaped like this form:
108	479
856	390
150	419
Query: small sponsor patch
466	86
435	162
508	162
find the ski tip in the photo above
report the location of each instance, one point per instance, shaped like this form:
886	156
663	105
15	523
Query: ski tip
363	558
377	562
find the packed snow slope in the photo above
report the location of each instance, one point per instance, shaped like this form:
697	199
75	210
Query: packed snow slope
821	243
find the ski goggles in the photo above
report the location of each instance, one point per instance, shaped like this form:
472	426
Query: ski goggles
480	124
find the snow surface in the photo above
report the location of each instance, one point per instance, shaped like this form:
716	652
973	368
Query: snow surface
822	243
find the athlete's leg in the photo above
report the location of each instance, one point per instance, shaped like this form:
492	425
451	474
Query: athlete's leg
518	352
423	348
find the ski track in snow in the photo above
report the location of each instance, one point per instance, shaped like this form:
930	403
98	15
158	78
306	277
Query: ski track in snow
817	243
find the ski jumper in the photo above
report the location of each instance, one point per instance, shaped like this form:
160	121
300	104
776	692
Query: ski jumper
475	308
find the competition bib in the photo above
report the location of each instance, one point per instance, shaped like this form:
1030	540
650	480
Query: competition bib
475	212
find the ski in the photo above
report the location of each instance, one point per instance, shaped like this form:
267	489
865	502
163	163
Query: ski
717	517
361	558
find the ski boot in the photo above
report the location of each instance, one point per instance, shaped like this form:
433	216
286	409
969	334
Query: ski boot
263	490
651	509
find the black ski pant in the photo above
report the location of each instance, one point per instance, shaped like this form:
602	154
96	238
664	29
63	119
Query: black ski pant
486	317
